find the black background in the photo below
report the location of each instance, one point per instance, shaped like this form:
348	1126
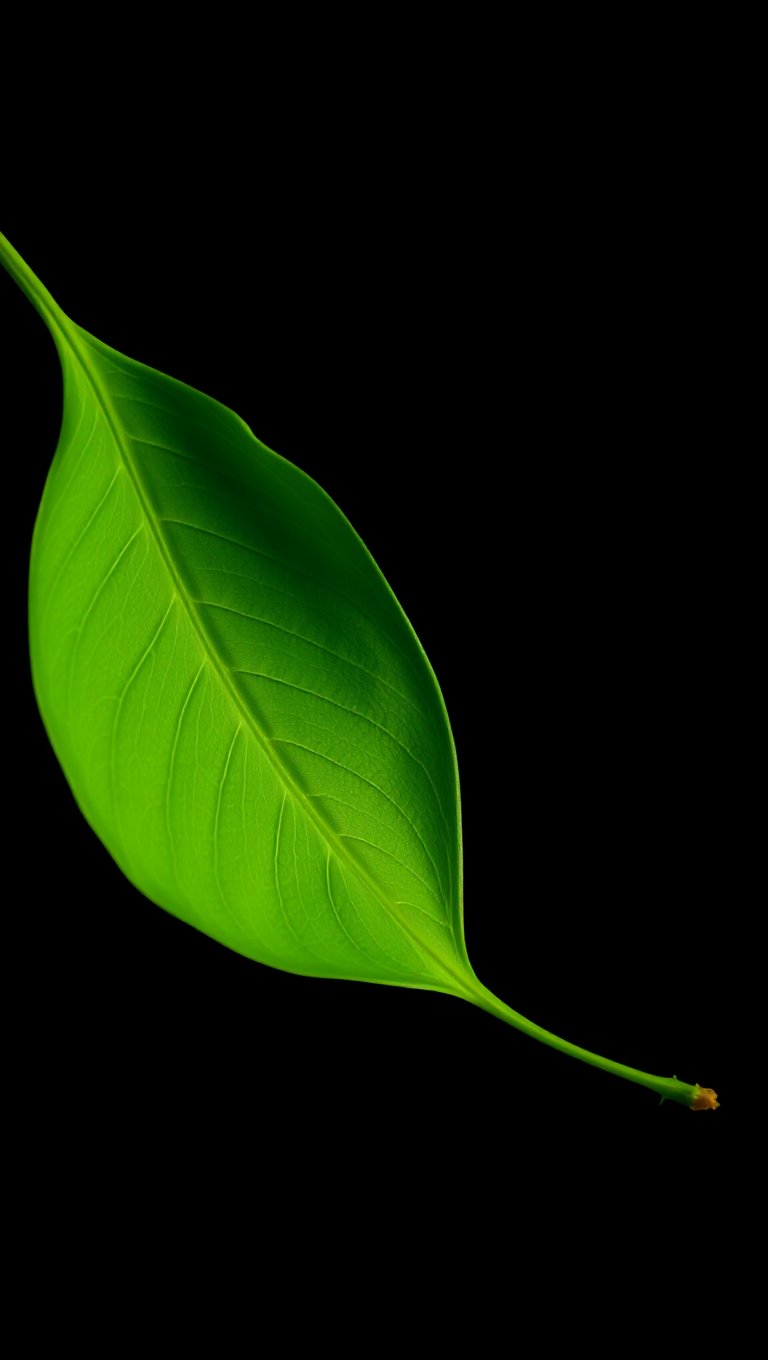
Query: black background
513	419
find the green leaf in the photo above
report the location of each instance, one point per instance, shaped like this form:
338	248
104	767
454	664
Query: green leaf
239	703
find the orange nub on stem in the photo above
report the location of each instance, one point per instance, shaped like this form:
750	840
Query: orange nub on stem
704	1099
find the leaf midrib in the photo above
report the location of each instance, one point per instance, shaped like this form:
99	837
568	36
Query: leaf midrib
72	336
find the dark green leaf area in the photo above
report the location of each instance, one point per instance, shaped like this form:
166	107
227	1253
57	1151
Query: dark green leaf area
240	705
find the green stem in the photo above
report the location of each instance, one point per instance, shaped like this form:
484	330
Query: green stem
668	1087
34	290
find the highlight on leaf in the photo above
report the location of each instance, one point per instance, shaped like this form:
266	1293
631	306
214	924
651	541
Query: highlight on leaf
240	705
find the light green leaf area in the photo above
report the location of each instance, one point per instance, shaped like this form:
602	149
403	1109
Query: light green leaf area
241	707
238	700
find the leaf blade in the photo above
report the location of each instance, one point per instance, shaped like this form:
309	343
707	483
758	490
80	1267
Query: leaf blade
295	598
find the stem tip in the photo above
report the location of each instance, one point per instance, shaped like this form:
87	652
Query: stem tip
704	1098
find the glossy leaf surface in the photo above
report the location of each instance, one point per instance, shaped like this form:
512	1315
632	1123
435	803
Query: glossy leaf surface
240	705
238	701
